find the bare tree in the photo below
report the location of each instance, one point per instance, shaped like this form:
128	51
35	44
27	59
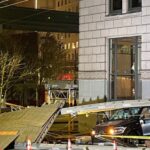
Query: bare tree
11	71
20	64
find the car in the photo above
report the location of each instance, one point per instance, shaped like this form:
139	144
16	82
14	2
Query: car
127	121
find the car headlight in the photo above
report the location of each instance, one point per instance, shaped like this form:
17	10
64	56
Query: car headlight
116	130
111	131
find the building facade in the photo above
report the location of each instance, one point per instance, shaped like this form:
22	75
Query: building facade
38	4
67	5
114	56
70	41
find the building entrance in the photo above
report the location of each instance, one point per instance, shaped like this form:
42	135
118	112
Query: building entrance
124	68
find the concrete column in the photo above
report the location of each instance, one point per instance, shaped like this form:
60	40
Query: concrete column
124	6
107	7
36	4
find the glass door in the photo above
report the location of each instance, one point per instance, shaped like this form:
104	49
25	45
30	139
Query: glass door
124	68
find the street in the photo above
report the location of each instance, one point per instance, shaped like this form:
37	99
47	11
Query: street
78	147
96	147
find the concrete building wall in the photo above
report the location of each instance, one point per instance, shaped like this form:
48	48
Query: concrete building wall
96	28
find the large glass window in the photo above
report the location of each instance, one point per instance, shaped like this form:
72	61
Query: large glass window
124	68
135	5
115	6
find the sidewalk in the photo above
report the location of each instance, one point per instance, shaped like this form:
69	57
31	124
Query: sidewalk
76	147
97	147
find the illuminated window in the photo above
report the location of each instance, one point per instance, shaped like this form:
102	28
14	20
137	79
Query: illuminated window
77	44
68	45
65	46
73	46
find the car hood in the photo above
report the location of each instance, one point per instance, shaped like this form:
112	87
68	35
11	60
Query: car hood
103	127
113	123
121	122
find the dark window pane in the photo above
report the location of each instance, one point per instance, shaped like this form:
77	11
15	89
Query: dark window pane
136	3
117	4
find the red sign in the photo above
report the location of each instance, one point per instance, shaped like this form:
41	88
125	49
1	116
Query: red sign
67	76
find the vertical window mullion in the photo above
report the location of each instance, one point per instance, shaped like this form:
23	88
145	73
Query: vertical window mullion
115	70
110	69
136	68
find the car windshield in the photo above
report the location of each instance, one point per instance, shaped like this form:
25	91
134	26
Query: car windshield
125	113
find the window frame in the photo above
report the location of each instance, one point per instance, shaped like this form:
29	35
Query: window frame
113	93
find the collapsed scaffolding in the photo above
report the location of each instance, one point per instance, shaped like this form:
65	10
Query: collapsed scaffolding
61	90
35	122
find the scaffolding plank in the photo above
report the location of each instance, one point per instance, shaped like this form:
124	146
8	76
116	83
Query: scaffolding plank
107	106
29	122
